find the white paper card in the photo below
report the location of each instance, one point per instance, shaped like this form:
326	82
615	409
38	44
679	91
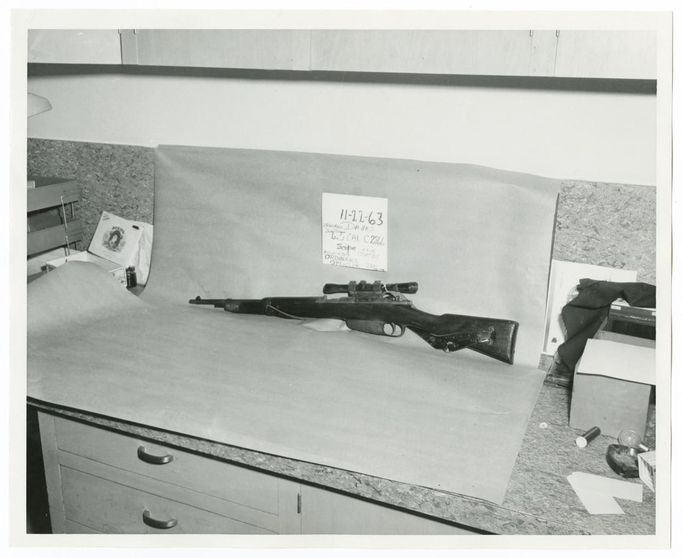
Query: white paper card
563	281
116	239
355	231
597	493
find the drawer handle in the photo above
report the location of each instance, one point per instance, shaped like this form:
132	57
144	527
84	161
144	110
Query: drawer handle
158	523
153	459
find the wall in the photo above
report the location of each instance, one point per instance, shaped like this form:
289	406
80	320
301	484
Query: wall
598	223
602	130
598	136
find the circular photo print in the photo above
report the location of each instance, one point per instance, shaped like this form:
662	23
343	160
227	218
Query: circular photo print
114	239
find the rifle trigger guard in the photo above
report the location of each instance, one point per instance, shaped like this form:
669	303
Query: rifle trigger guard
394	330
377	327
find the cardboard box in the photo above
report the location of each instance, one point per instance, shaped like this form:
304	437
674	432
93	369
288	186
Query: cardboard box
612	386
115	269
125	242
647	468
628	339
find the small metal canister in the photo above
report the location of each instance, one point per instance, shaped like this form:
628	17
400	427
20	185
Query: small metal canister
587	437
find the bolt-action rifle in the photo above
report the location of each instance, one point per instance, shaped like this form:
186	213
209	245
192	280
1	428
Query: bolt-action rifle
382	309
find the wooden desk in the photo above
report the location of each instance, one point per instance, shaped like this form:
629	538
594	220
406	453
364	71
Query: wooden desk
539	499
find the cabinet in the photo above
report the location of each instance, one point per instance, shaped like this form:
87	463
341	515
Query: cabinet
606	54
102	481
106	482
619	54
271	49
74	46
461	52
325	512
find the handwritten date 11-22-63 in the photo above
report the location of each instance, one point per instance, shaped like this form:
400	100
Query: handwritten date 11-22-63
360	216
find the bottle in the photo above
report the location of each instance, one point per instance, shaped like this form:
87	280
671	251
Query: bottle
131	277
631	439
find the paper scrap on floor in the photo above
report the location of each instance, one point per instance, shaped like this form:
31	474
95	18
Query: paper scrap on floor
597	493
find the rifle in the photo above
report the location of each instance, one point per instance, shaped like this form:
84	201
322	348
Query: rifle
382	309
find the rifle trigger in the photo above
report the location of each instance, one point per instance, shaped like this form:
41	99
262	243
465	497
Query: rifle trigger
398	330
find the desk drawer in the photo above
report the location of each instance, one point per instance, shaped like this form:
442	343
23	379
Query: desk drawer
215	478
110	507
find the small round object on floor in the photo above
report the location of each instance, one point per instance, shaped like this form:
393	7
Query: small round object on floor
623	460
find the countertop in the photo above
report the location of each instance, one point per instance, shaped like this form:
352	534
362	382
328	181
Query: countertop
539	499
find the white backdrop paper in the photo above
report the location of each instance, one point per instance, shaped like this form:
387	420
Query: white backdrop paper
477	240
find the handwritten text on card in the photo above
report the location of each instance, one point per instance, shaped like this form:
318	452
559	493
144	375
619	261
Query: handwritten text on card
355	231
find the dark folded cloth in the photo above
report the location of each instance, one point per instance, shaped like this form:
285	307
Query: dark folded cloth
585	314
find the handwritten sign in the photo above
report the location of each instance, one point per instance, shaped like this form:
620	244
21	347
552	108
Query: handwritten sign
355	231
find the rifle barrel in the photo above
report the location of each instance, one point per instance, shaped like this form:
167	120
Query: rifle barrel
215	302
